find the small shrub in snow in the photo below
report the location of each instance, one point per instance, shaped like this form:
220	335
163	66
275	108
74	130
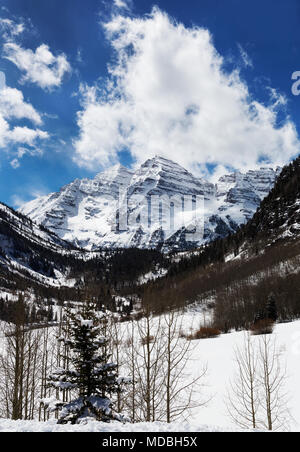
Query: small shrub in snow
205	332
264	326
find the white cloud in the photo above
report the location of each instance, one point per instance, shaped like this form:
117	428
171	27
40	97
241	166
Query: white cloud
19	135
100	137
40	66
29	193
121	4
15	163
26	135
17	201
13	107
168	94
4	129
10	29
2	81
245	57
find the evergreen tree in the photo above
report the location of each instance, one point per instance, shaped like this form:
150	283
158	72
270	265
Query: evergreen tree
269	311
271	308
89	374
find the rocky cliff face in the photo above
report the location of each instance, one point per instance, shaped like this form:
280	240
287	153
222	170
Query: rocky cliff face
155	206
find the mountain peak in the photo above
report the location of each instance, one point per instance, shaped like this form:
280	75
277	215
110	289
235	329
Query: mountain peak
159	166
85	210
159	160
113	172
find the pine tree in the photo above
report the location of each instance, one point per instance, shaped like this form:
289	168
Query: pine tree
271	308
89	375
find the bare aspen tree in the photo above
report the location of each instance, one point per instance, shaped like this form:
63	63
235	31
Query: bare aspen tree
16	347
48	362
31	373
179	388
4	379
131	364
132	368
116	339
44	366
257	396
143	355
149	353
12	362
157	359
19	371
272	380
243	398
62	355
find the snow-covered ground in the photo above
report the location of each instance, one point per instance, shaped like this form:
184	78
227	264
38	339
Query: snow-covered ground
51	426
218	354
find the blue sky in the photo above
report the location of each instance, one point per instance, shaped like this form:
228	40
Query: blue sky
88	118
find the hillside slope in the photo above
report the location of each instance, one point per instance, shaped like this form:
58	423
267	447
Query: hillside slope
236	275
32	257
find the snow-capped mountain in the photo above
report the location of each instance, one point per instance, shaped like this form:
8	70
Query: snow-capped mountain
145	208
272	234
244	192
30	251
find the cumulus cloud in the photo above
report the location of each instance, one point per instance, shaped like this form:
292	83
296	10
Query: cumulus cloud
38	66
41	66
13	107
25	135
168	94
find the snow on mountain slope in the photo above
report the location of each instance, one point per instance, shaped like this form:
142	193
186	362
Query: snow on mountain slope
30	251
90	213
29	230
82	212
245	191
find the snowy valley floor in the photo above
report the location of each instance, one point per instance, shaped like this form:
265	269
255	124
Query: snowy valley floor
100	427
218	353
